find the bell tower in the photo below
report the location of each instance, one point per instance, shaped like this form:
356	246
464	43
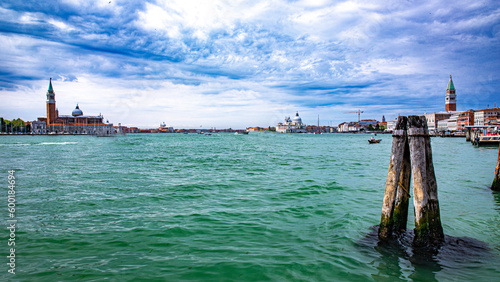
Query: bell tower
451	97
51	104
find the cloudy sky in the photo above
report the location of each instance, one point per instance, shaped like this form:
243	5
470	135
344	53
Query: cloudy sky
233	63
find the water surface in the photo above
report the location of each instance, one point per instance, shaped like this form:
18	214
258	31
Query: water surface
257	207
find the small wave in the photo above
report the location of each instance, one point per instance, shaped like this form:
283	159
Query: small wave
57	143
14	145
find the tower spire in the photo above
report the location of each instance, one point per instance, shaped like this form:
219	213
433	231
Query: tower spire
50	85
450	84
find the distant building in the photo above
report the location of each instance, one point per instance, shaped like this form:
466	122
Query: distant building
465	119
434	118
382	125
165	129
353	126
342	127
76	123
449	119
291	126
449	124
133	129
482	117
391	125
451	97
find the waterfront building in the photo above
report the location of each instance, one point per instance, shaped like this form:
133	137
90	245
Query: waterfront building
291	126
443	121
391	125
342	127
165	129
451	97
449	124
76	123
465	119
482	117
353	126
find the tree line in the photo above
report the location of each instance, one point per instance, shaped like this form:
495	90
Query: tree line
14	126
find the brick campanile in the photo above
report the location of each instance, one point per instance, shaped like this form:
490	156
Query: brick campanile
51	104
451	97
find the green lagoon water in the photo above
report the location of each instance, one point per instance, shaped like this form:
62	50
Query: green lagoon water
257	207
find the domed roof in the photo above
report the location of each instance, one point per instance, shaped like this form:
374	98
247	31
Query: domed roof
297	118
77	112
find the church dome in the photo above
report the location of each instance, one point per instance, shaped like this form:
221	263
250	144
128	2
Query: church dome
77	112
297	118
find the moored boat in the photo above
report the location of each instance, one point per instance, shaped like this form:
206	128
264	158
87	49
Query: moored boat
487	140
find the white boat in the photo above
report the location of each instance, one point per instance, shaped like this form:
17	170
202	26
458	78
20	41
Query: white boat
487	140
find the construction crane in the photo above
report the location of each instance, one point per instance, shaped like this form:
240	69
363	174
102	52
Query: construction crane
359	112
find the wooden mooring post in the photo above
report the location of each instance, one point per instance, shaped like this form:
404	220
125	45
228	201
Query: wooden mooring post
496	181
411	155
428	229
395	207
468	135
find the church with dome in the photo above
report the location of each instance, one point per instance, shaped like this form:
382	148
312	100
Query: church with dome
294	125
76	123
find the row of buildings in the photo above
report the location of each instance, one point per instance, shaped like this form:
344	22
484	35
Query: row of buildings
296	125
449	120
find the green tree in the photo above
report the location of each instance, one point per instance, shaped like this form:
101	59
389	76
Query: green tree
15	125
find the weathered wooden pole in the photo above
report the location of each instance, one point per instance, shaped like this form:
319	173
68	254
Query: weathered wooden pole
395	207
428	229
467	135
403	194
496	181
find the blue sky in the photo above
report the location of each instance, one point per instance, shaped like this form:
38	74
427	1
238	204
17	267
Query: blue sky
246	63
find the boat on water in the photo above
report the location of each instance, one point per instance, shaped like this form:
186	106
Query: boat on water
373	141
487	140
483	135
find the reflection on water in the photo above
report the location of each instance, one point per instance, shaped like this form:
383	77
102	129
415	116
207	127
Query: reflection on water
496	197
398	258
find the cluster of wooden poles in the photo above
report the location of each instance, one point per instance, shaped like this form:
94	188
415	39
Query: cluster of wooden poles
411	155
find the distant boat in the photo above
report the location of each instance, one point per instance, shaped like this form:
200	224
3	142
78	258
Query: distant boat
373	141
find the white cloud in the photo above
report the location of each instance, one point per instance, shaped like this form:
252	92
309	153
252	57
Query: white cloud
61	25
396	66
